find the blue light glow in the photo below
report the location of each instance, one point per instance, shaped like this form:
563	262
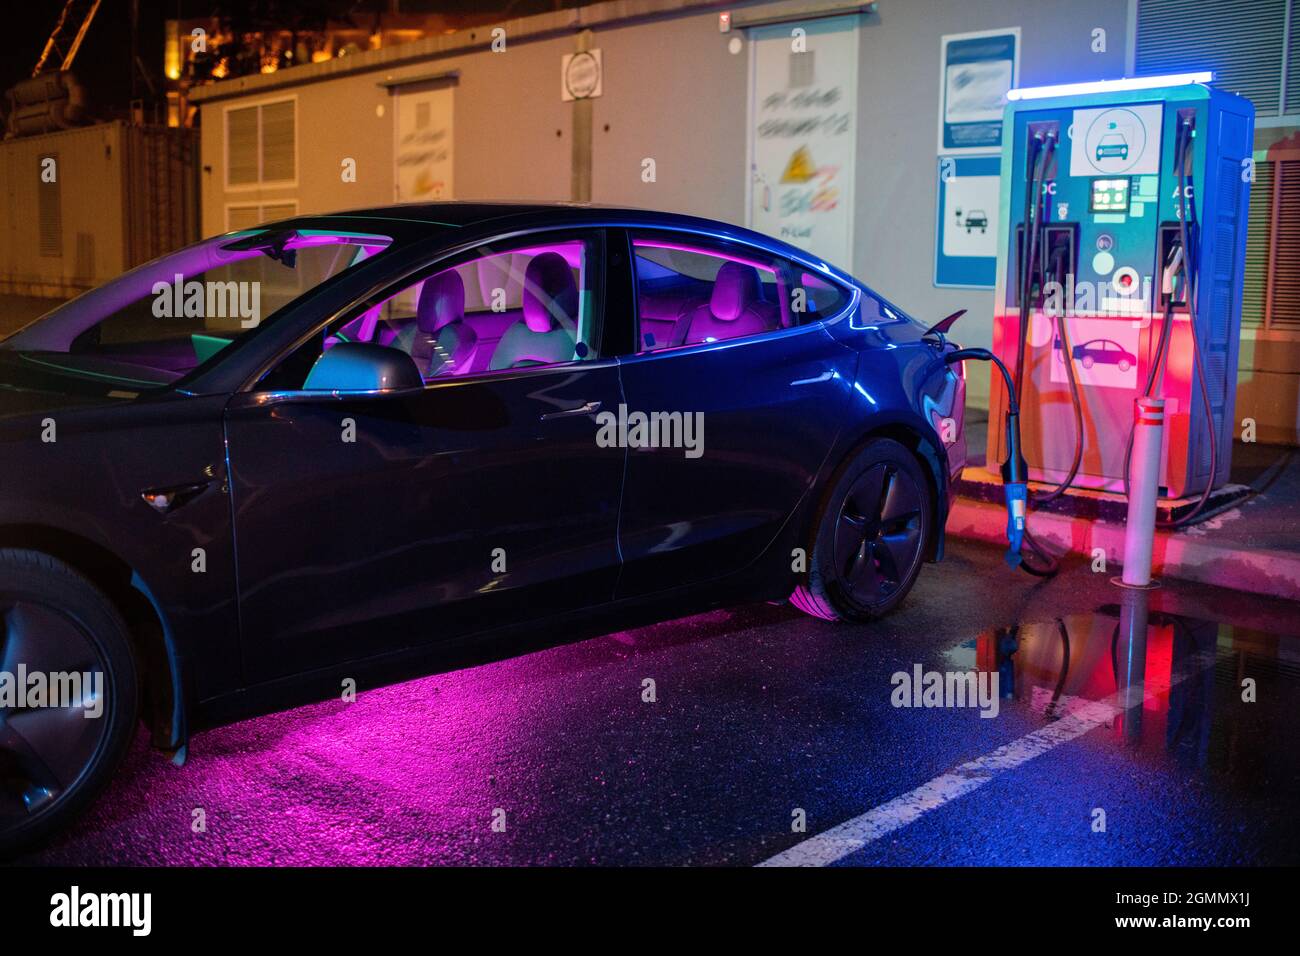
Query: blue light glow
1110	86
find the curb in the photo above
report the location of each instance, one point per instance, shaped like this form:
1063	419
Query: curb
1272	573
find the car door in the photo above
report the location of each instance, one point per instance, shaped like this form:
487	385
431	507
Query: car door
367	524
766	404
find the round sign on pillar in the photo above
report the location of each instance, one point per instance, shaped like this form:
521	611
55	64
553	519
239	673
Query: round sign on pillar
581	76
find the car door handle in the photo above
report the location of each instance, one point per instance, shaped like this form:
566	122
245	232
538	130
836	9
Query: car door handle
588	409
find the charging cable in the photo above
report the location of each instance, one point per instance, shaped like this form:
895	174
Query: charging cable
1181	262
1014	487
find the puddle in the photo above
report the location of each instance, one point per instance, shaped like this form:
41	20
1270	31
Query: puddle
1212	696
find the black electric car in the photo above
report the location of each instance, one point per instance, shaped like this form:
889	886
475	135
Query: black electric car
339	445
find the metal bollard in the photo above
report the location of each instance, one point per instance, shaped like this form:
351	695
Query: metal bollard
1144	485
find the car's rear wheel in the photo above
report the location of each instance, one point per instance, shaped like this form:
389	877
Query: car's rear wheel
58	748
870	536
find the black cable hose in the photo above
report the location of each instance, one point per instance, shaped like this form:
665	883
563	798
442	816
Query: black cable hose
1193	286
1028	250
1075	401
1162	347
1050	564
1064	631
1028	246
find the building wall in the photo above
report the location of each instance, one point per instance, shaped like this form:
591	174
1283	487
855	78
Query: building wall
89	172
512	134
674	94
125	195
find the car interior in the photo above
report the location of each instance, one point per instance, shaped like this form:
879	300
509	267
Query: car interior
503	310
533	306
689	295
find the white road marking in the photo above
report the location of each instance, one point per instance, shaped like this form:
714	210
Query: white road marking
1077	718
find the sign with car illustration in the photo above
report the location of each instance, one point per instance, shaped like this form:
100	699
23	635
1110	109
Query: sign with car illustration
1104	352
1120	140
966	240
1111	145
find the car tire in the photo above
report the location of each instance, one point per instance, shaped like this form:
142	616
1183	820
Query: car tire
1124	365
1088	361
870	538
54	762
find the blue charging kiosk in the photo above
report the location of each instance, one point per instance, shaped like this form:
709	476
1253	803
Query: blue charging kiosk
1095	261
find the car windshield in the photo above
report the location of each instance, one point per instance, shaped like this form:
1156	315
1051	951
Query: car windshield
162	320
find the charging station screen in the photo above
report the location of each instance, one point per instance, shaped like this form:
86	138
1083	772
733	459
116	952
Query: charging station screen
1109	195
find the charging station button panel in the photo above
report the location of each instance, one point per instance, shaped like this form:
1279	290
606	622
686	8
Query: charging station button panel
1110	195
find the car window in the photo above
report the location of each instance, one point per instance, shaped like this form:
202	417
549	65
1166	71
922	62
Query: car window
692	290
162	320
499	308
823	298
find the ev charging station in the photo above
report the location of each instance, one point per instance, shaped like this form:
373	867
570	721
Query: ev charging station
1119	276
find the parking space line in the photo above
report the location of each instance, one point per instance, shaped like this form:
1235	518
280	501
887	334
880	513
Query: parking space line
1077	718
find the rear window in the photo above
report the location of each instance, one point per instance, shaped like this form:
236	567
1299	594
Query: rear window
823	298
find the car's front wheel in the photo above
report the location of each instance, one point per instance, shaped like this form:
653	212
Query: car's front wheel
68	698
870	537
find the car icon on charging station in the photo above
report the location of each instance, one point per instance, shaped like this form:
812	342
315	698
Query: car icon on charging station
1111	145
1106	352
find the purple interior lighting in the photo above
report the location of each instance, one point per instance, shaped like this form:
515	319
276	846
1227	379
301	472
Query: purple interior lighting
712	253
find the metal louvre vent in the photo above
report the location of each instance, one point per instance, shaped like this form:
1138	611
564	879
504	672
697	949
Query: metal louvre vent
248	215
241	146
1241	42
1292	104
243	217
1258	244
50	208
1220	308
278	142
1286	257
274	211
261	144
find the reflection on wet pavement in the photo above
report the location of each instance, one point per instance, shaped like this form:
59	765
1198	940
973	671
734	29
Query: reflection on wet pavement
1199	692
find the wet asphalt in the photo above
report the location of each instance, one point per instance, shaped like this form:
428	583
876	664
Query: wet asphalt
557	757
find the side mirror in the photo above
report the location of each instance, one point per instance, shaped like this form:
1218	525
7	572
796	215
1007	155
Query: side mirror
362	367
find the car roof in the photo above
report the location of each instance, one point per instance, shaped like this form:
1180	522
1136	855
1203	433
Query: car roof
408	221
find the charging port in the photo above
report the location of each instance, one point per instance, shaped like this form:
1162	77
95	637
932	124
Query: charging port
1056	257
1173	280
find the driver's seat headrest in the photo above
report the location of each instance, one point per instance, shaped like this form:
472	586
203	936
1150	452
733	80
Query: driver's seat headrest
550	294
734	289
442	301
